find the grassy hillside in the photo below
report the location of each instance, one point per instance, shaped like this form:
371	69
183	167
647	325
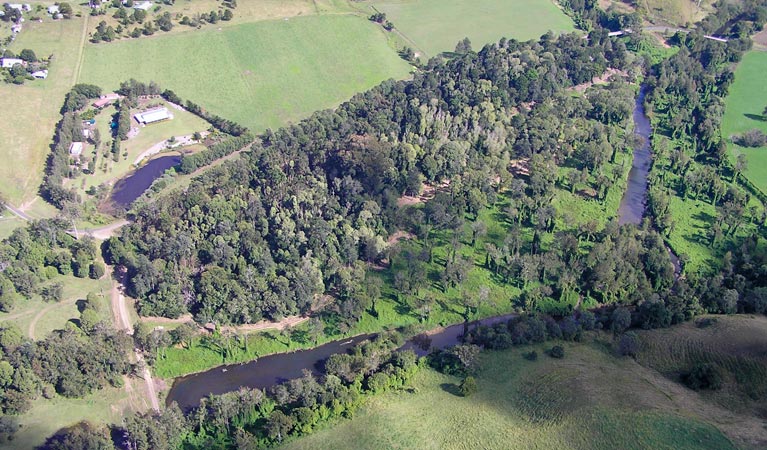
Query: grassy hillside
436	26
744	107
588	400
262	75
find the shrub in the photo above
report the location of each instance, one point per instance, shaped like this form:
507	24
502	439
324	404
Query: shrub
468	386
557	351
97	270
629	345
751	138
531	356
703	376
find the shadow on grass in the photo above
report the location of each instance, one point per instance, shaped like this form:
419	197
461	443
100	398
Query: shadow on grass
451	388
757	117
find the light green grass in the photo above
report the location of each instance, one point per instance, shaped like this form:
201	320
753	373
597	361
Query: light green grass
8	223
48	416
744	106
588	400
436	26
30	112
265	74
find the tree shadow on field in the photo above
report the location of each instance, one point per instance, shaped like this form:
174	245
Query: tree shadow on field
757	117
451	388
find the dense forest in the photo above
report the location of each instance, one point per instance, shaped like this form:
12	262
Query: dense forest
263	236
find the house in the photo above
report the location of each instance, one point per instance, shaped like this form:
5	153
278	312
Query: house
16	28
40	74
76	149
53	10
144	6
105	100
7	63
153	115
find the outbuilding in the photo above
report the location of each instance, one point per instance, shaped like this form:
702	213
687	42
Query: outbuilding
7	63
144	6
40	74
76	149
53	10
153	115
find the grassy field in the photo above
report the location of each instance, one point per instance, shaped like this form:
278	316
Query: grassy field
264	74
588	400
735	344
676	12
48	416
744	106
435	26
26	129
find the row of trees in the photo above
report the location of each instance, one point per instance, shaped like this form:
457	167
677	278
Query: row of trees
251	418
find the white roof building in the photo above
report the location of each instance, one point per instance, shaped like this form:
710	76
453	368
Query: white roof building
53	10
76	148
7	63
153	115
144	6
41	74
20	7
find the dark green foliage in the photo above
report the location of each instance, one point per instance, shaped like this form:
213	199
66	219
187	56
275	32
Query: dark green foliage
97	270
192	162
531	356
28	55
703	376
83	436
629	344
468	386
557	351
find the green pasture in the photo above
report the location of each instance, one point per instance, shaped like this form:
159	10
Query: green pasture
588	400
435	26
744	106
31	111
262	75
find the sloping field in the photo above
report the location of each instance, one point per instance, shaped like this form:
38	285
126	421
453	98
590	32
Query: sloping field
588	400
262	75
435	26
744	106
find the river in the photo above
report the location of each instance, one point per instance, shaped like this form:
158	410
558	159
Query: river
273	369
269	370
127	190
634	202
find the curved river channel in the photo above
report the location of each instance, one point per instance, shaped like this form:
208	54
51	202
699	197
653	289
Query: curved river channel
269	370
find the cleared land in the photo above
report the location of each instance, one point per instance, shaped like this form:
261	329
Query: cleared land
588	400
744	106
435	26
30	111
262	75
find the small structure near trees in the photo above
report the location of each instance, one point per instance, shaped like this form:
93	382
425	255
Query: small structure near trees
152	116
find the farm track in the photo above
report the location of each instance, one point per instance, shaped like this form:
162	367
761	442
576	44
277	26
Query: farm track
80	52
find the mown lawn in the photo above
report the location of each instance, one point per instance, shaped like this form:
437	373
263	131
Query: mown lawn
30	111
435	26
744	106
588	400
262	75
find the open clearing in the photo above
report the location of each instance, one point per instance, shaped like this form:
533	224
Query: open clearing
588	400
31	111
262	75
437	25
744	106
